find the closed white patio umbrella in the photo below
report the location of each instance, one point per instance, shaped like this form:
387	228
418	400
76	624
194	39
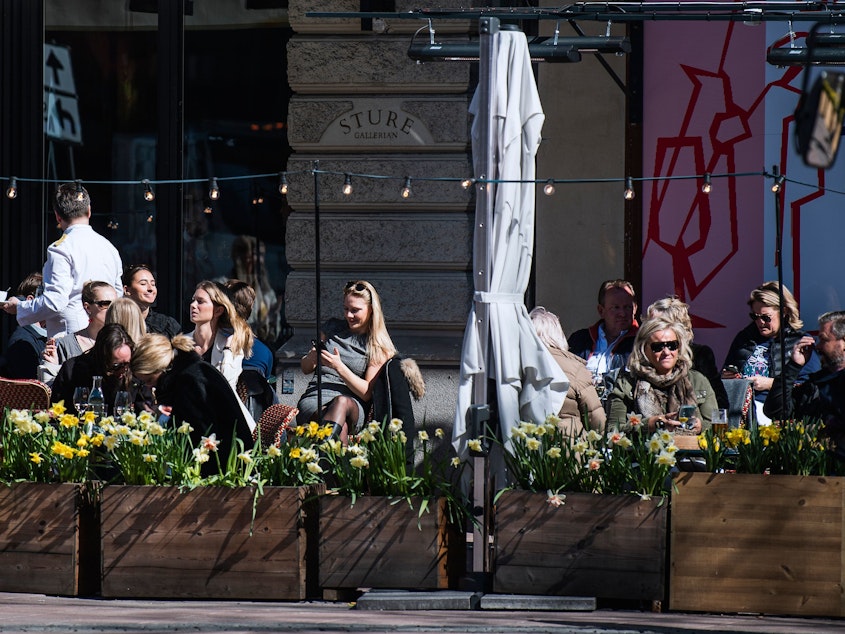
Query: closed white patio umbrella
529	383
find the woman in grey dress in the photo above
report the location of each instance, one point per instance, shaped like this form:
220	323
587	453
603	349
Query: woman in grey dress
352	351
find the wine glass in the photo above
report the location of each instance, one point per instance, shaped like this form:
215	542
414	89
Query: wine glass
80	400
121	403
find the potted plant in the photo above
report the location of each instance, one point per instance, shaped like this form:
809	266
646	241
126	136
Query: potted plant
386	524
587	515
242	533
766	533
48	505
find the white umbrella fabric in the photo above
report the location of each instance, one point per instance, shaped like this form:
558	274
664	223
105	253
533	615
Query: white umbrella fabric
529	382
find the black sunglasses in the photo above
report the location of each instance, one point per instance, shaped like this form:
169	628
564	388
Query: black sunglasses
657	346
103	303
117	367
357	286
766	319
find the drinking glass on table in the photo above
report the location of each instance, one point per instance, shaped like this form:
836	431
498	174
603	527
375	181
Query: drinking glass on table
720	422
121	403
80	400
684	414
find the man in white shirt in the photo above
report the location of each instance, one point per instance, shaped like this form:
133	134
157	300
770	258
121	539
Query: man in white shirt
80	255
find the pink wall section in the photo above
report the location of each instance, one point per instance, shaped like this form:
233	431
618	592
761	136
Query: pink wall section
704	100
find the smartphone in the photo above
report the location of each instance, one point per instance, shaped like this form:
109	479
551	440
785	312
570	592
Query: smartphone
318	345
732	369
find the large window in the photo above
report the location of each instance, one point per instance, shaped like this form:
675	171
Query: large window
235	109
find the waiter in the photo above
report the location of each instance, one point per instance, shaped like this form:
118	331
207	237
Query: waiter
80	255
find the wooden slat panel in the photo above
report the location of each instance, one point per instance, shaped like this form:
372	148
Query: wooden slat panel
382	543
39	538
160	542
757	543
593	545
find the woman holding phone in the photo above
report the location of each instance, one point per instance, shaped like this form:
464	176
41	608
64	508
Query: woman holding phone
660	385
352	352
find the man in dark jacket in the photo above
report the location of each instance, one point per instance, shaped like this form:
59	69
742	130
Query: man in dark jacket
607	343
26	345
822	395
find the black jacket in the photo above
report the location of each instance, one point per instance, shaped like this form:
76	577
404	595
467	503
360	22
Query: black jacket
80	371
704	361
202	397
23	354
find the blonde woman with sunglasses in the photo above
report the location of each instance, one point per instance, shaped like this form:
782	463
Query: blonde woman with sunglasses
97	297
352	352
755	352
660	384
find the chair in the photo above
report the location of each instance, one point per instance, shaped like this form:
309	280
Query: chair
740	403
24	394
273	424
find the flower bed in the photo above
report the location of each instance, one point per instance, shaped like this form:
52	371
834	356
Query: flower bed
209	542
758	543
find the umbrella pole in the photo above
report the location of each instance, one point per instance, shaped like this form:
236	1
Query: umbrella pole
485	197
318	290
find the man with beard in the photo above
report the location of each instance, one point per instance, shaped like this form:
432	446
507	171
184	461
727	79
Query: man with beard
822	395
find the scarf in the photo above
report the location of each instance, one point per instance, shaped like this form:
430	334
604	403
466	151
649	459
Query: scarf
659	394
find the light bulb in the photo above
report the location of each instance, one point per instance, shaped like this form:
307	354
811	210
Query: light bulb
707	187
12	191
630	194
149	195
283	184
549	187
80	194
466	183
214	190
150	218
405	192
777	184
208	209
347	185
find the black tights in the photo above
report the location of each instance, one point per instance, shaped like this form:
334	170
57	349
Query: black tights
342	410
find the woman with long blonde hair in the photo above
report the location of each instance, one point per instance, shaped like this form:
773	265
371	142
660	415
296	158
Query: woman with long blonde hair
352	352
221	336
126	312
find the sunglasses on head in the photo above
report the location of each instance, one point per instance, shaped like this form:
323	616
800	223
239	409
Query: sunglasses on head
766	319
356	286
657	346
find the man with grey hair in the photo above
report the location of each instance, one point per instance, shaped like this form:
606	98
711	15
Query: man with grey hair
80	255
822	395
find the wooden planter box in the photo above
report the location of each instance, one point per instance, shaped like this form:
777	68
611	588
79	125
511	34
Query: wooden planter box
160	542
604	546
758	543
48	539
384	543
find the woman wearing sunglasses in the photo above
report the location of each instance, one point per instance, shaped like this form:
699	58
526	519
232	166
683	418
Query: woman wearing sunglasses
755	351
659	382
96	300
352	352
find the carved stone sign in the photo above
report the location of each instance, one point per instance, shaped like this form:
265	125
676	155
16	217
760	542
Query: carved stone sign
376	122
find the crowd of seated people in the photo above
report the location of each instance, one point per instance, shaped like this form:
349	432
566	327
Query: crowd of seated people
619	365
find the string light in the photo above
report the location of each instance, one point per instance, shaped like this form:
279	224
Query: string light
630	194
214	190
405	192
283	184
467	183
12	191
149	194
347	185
549	187
80	194
707	187
778	183
208	209
150	218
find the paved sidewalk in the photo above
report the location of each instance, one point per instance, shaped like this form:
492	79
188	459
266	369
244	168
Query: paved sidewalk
39	613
